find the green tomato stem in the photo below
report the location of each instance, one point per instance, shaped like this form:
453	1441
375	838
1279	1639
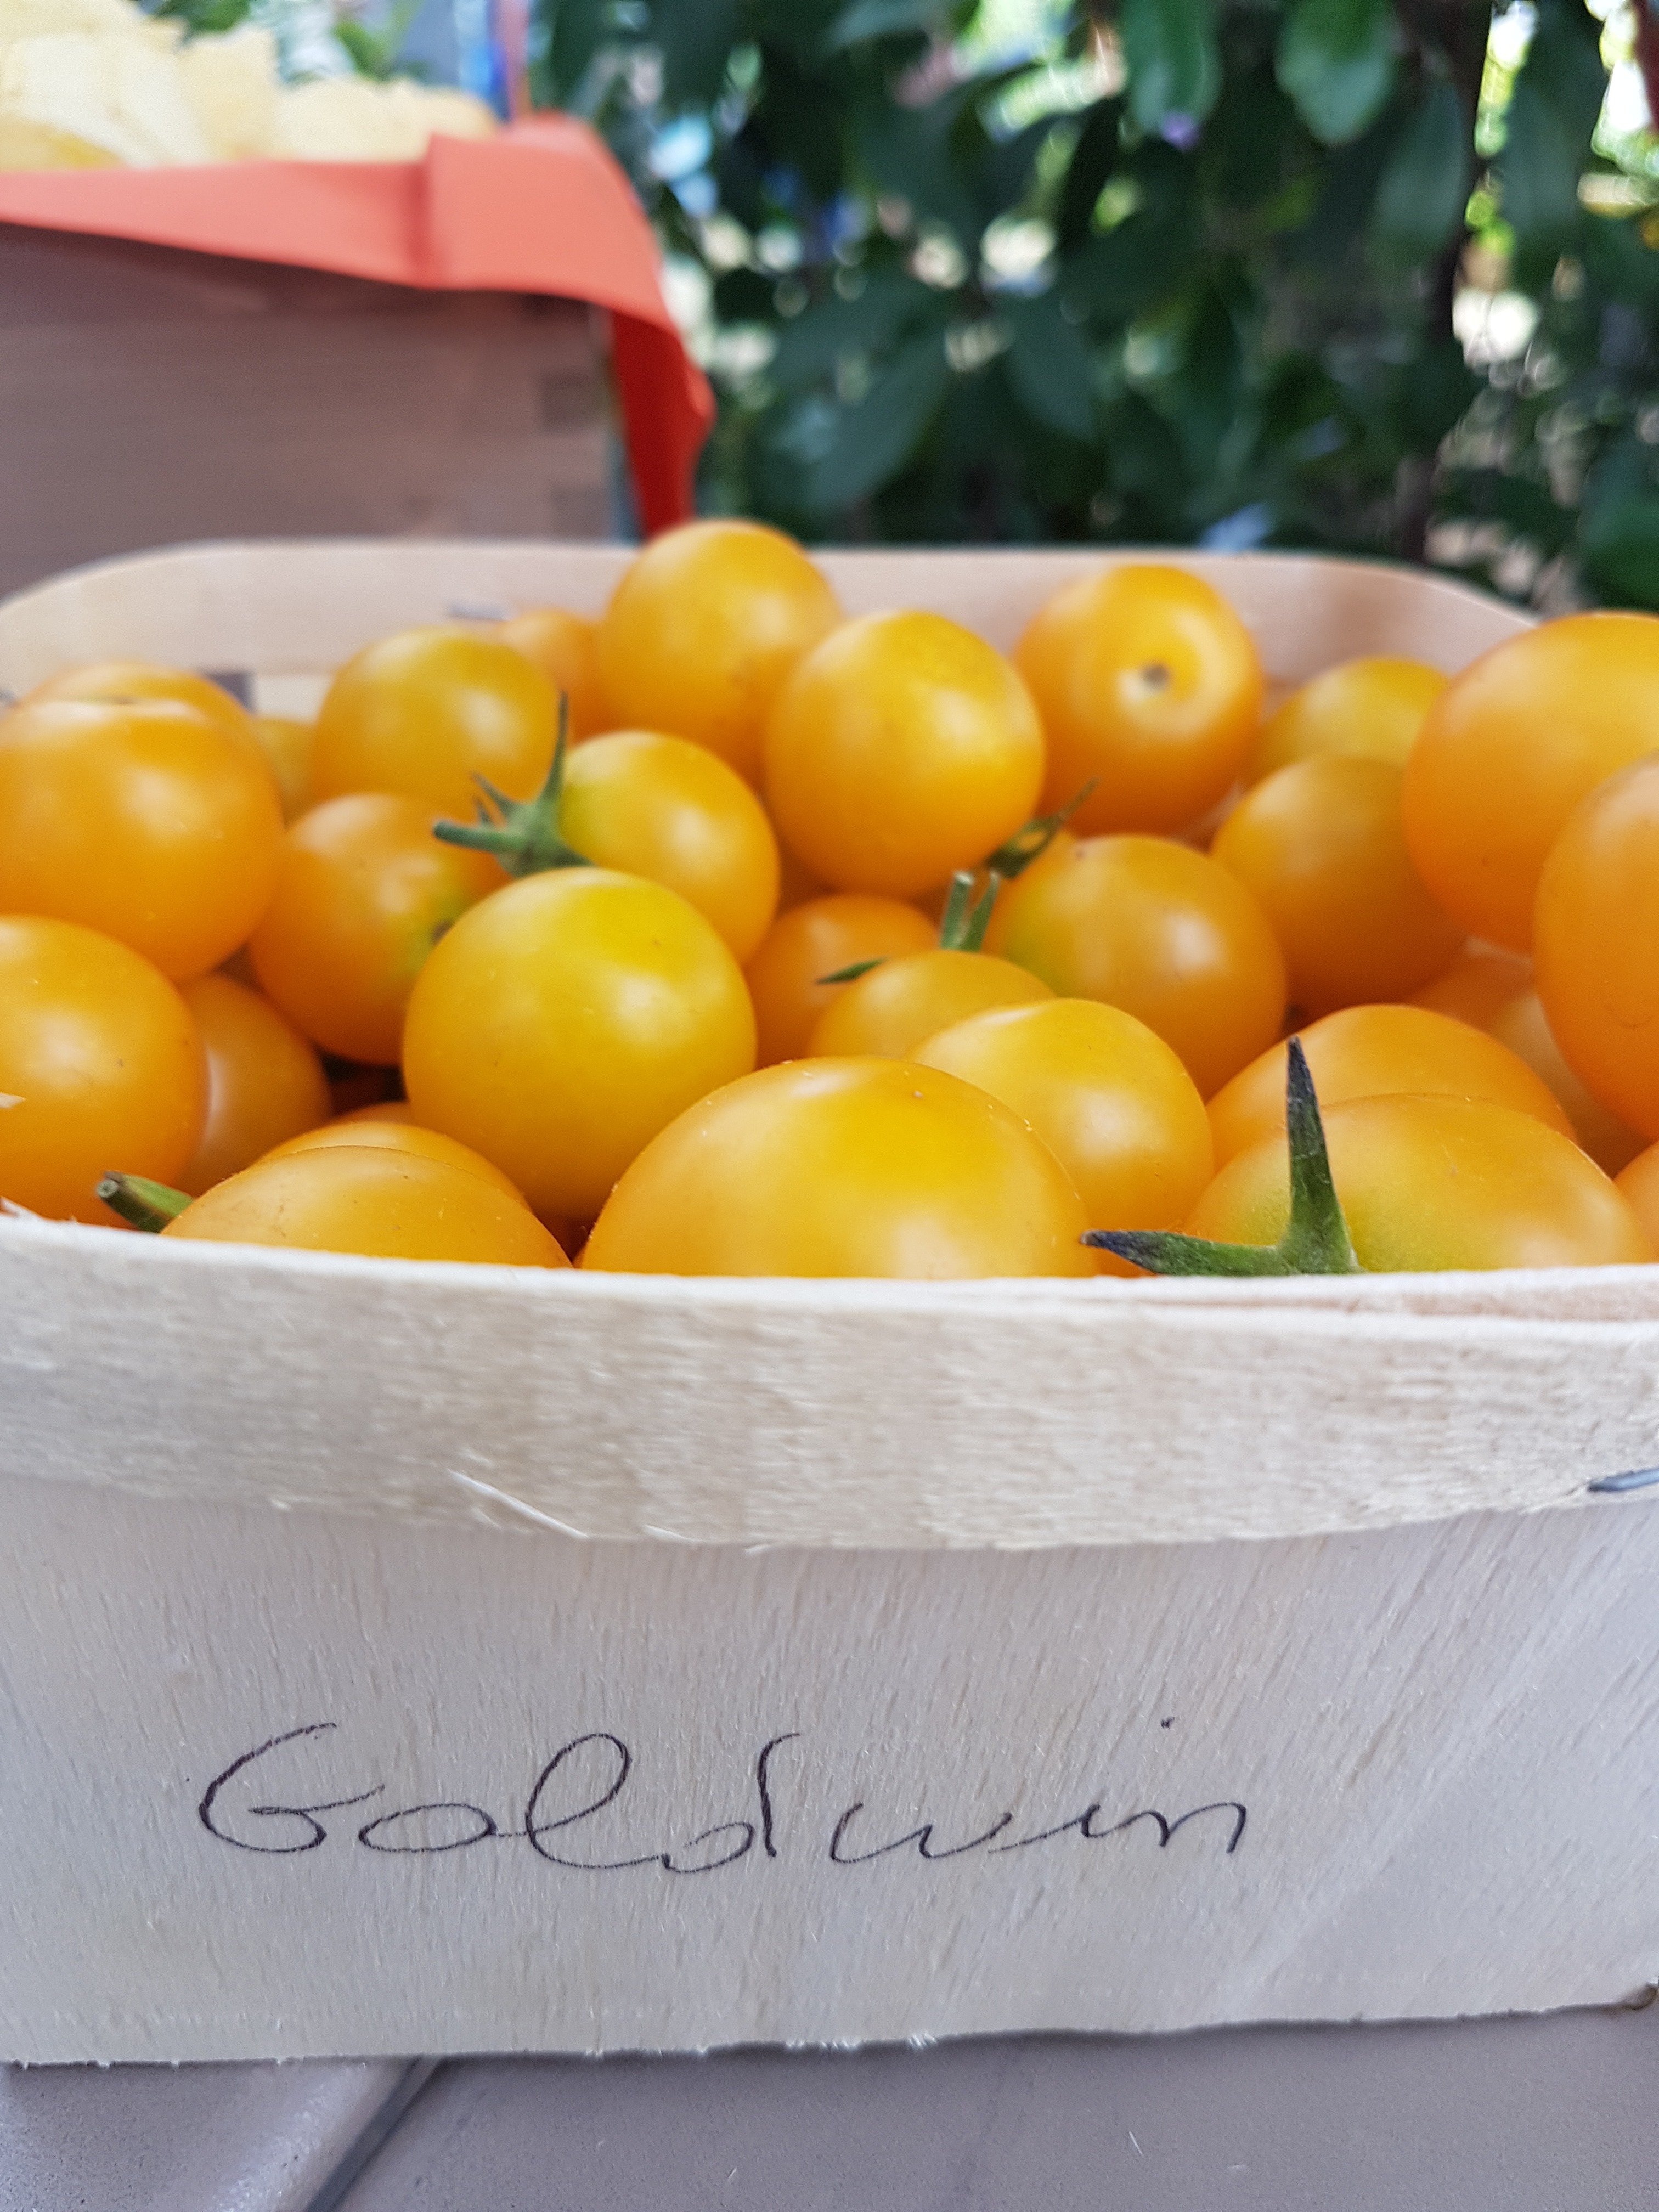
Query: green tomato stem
522	834
963	924
1316	1240
1032	840
141	1203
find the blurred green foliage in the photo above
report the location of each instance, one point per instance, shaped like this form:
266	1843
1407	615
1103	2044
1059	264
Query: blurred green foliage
1157	270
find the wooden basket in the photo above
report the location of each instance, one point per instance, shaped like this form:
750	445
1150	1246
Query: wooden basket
423	1658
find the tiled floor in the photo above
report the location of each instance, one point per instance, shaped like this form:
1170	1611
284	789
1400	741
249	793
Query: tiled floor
1553	2115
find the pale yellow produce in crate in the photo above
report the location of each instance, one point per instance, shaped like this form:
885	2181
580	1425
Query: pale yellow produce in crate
398	1658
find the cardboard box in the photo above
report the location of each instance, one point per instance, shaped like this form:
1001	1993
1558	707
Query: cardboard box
423	1658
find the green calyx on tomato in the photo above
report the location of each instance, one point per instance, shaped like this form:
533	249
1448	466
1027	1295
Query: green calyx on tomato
1316	1240
522	834
142	1203
1032	840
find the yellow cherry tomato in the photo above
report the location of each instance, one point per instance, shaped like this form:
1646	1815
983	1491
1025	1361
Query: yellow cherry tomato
427	711
121	682
265	1082
1148	682
384	1204
562	1022
1107	1096
1509	749
285	745
1493	990
1164	932
1638	1182
1321	845
704	627
661	807
902	749
816	940
364	890
101	1068
844	1167
1436	1182
397	1135
1372	1052
142	819
1597	944
1372	709
889	1011
565	647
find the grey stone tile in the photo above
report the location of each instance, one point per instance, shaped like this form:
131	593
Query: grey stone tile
1553	2115
182	2139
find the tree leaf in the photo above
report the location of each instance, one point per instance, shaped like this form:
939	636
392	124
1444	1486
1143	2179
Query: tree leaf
1619	548
694	43
1539	174
1174	60
1049	367
1336	60
1425	187
875	19
811	345
873	440
1093	159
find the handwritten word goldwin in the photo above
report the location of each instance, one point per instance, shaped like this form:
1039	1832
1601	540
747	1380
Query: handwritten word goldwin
592	1771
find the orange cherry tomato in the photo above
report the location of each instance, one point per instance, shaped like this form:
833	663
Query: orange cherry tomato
902	749
1322	846
703	628
1638	1182
1479	984
565	647
142	819
377	1111
120	682
844	1167
384	1204
286	745
1493	990
1373	1052
265	1082
363	892
396	1133
1597	943
1436	1182
1371	708
1107	1096
101	1068
1164	932
662	807
889	1011
1509	749
818	939
562	1022
796	882
1147	681
427	711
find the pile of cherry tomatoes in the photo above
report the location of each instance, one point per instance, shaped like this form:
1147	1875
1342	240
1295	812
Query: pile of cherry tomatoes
728	935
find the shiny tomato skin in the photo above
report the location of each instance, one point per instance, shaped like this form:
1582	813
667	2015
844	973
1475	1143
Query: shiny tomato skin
889	1012
844	1167
1148	682
427	711
1509	749
1371	1052
704	627
101	1068
565	647
363	892
1596	944
902	749
287	745
820	938
120	682
652	805
1164	932
143	819
1439	1182
565	1021
396	1133
1108	1097
265	1082
1321	845
1370	709
373	1200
